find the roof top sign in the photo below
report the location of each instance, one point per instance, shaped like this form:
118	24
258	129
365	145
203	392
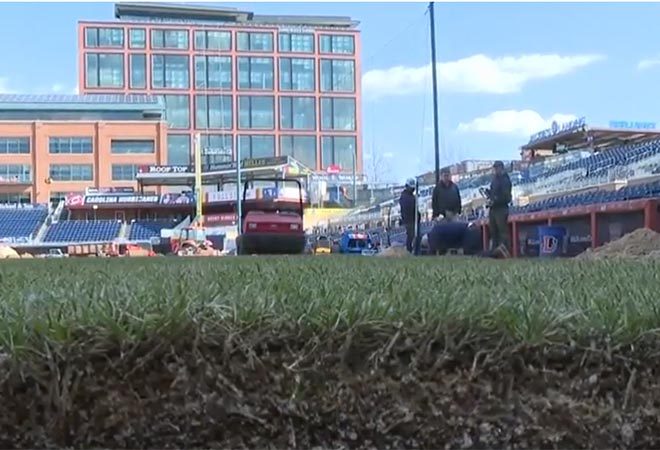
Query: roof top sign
557	128
623	124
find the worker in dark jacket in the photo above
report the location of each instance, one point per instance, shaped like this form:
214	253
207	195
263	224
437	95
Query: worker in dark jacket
499	196
446	197
409	215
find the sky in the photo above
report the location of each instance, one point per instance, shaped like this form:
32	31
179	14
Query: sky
506	70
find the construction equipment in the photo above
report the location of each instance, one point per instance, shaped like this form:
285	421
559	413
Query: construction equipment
191	241
355	243
270	224
322	246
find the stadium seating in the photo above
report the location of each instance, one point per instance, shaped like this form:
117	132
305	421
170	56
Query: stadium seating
21	223
144	230
83	231
635	192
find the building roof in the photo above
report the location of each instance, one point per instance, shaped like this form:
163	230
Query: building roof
600	138
225	15
95	102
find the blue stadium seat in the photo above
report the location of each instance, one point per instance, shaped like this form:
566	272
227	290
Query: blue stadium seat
83	231
144	230
18	223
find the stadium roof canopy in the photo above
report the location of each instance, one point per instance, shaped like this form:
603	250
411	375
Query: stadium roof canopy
601	137
95	102
180	12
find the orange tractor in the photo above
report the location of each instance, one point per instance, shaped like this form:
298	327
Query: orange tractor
191	241
271	224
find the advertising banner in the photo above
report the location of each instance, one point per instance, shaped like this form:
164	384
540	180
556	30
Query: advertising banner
121	199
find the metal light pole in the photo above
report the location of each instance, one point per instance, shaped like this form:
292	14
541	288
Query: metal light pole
434	73
199	194
354	173
239	194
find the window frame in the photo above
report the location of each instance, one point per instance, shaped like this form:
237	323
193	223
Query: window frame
71	179
98	56
250	48
251	88
250	98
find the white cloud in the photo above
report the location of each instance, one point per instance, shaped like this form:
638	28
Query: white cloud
475	74
522	123
56	88
4	86
648	63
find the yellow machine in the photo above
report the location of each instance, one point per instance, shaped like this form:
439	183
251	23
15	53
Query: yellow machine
322	246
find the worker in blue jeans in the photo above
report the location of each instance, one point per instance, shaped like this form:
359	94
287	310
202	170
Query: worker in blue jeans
410	217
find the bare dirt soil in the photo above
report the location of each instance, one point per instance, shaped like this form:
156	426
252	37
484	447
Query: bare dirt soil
638	244
384	390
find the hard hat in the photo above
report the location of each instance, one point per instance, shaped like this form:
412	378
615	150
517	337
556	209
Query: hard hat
411	183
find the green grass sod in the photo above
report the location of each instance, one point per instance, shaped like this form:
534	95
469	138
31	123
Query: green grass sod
352	352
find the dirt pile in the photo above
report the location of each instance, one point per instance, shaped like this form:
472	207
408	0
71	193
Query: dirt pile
373	390
638	244
394	250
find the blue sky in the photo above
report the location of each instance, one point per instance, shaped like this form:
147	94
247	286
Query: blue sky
506	70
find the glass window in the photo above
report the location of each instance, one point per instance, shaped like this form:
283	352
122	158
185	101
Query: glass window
343	44
124	147
137	38
212	40
104	70
213	72
21	198
70	145
256	146
16	172
297	113
297	74
255	73
170	72
124	172
217	148
338	114
257	113
71	172
172	39
337	75
14	145
138	65
104	37
177	109
178	149
254	42
56	197
301	148
338	151
213	111
296	43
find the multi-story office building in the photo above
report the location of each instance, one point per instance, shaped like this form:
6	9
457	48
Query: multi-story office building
264	85
54	145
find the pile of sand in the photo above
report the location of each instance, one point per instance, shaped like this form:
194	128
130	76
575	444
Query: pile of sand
8	252
395	250
641	243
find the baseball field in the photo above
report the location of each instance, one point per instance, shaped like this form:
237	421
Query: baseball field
329	352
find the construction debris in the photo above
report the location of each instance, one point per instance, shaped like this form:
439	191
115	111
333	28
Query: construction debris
641	243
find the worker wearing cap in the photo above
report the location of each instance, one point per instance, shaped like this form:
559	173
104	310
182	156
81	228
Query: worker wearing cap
409	214
446	199
499	196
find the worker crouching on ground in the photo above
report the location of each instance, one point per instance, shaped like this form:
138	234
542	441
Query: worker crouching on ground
499	198
410	218
446	199
449	235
